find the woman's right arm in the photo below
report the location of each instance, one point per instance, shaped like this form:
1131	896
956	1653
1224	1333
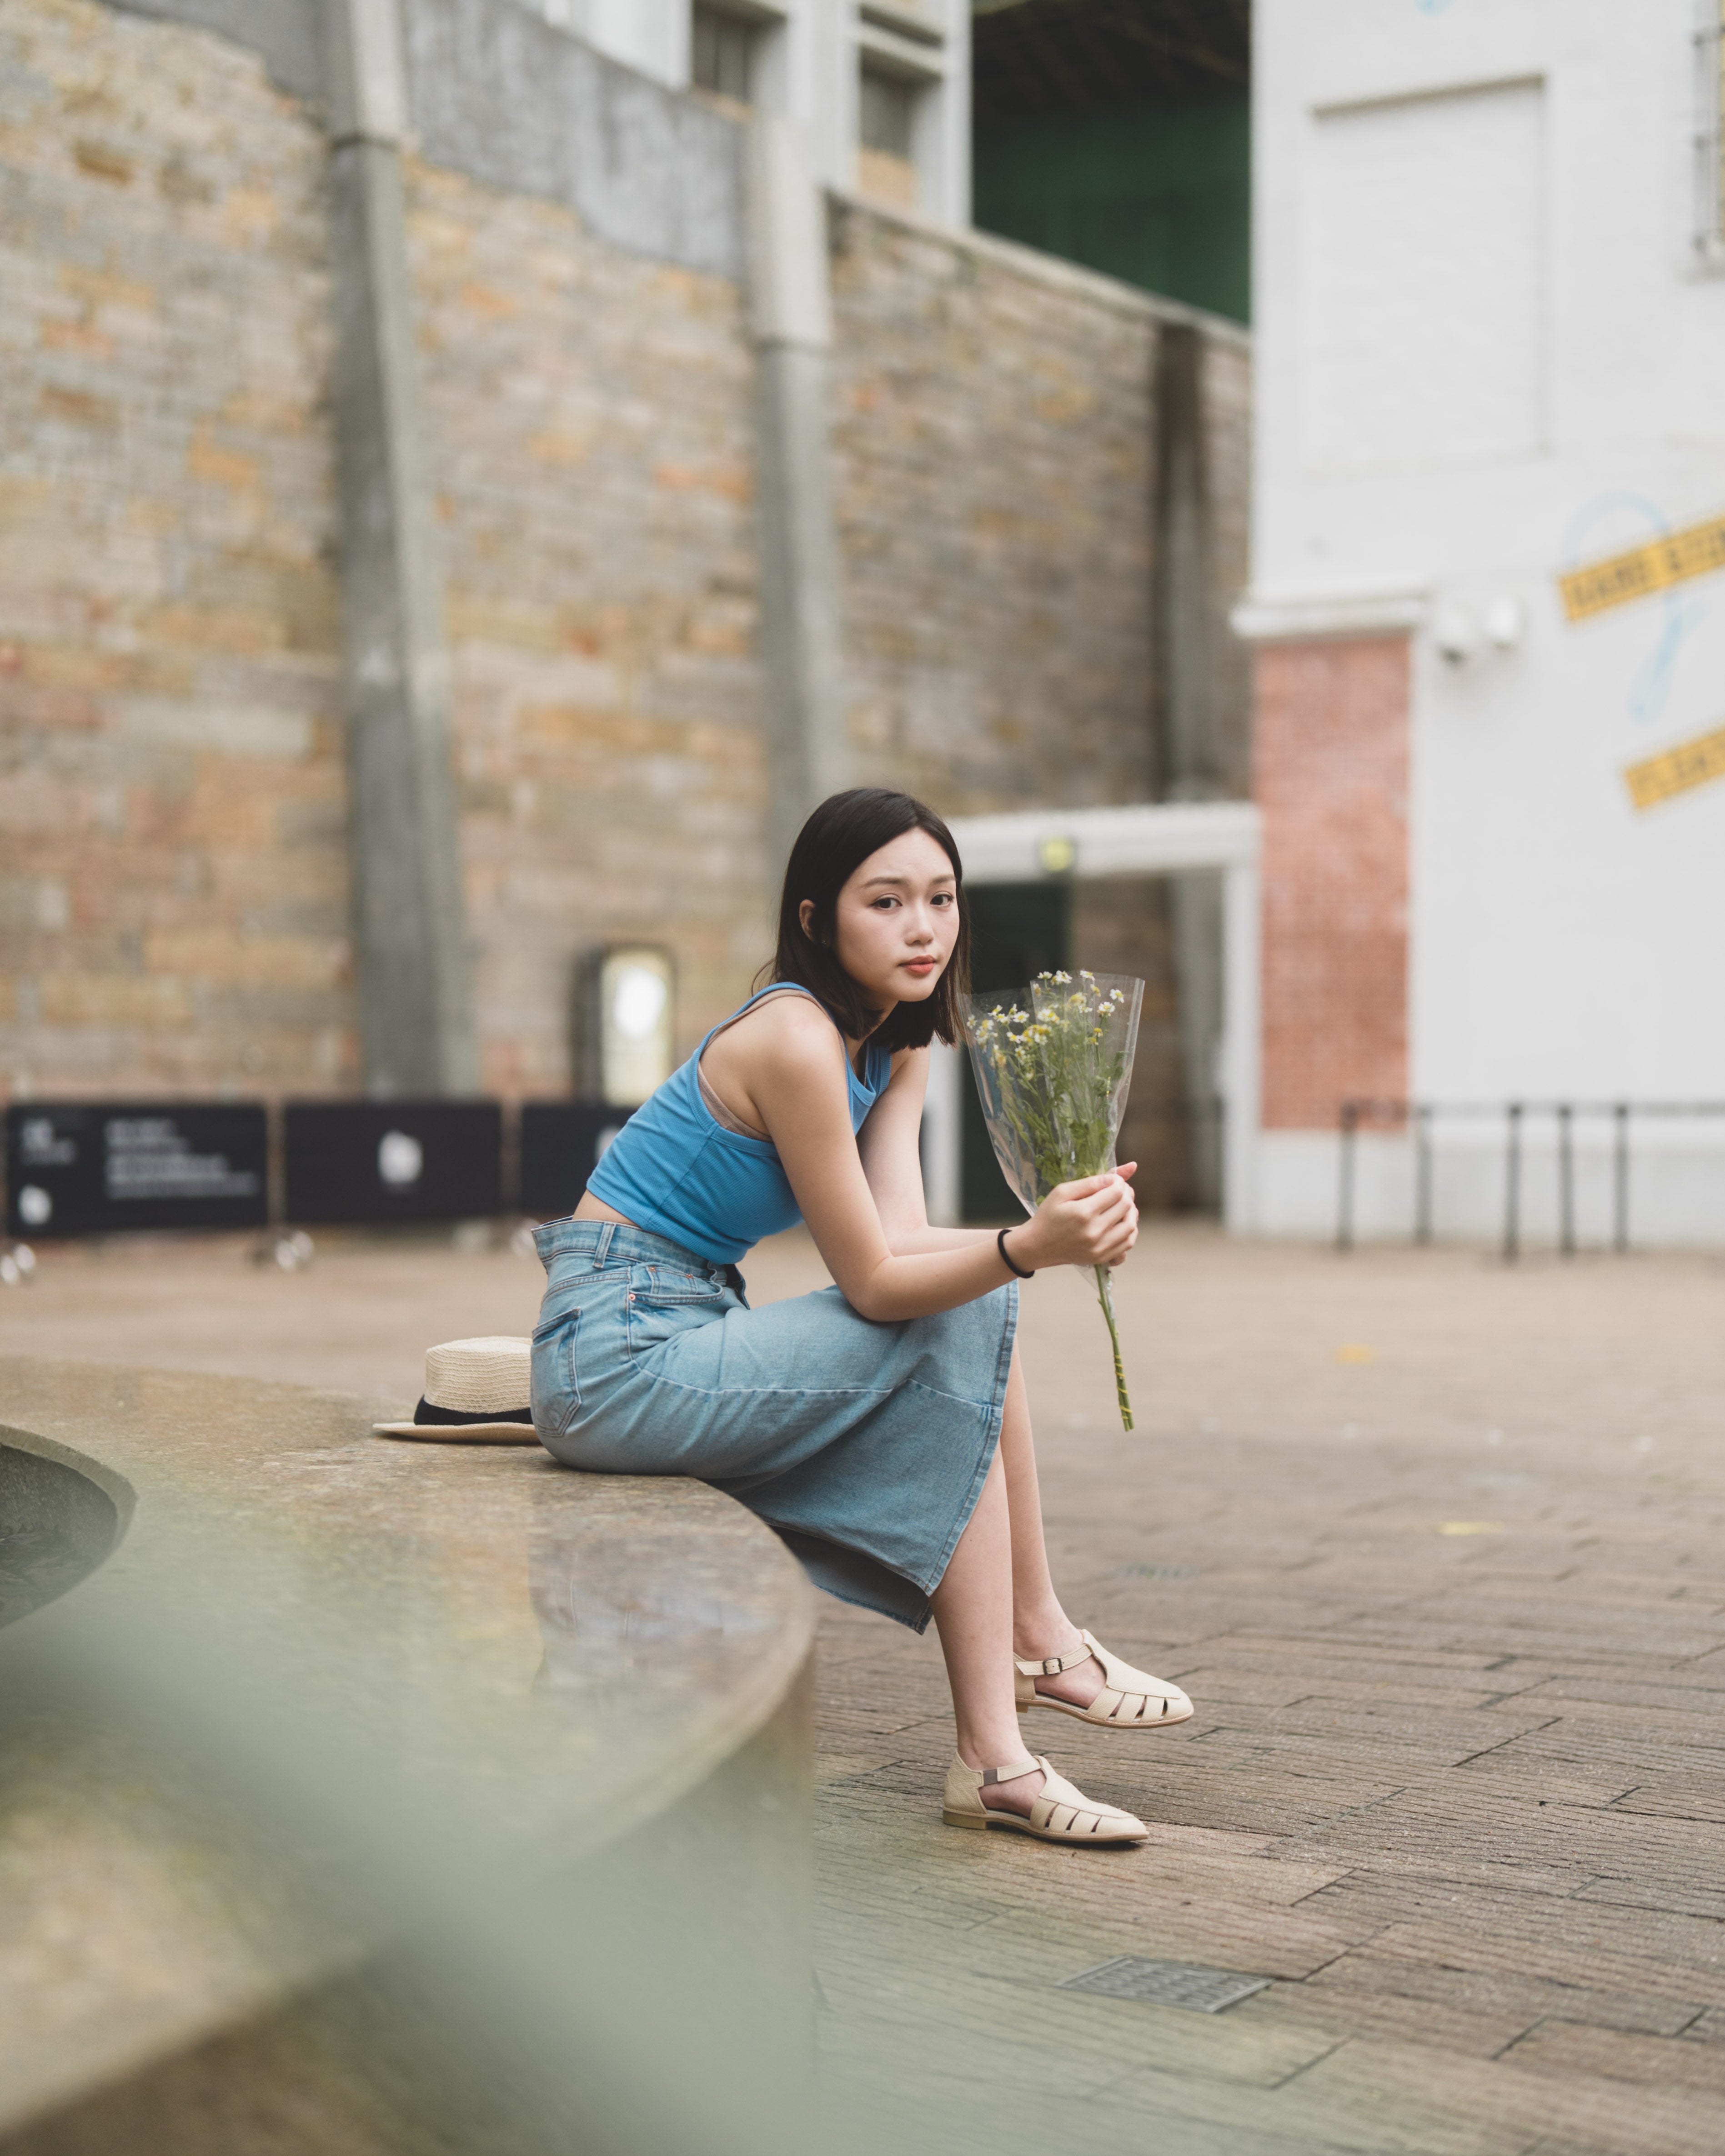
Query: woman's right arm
797	1079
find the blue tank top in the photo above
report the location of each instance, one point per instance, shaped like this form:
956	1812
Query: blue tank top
676	1171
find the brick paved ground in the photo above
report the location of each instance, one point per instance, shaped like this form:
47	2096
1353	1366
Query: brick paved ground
1435	1549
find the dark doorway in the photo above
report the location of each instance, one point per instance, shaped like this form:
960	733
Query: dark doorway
1018	930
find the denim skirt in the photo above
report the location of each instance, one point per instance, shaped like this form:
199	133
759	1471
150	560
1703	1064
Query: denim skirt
864	1446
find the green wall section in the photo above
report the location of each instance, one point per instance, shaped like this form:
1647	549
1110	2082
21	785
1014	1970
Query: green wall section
1158	195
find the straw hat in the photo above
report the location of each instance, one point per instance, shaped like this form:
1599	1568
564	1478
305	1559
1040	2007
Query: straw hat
476	1392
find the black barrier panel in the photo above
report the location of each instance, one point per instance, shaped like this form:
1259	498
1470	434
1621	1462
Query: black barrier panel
98	1167
364	1160
561	1143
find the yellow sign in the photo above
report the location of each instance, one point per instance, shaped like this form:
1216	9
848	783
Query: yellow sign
1621	577
1690	764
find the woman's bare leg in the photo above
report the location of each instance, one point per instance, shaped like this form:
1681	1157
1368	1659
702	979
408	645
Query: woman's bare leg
973	1612
1041	1627
997	1599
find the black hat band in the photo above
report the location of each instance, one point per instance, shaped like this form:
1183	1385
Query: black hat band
453	1419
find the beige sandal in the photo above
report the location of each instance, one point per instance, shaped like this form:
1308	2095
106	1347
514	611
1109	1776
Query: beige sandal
1057	1811
1130	1698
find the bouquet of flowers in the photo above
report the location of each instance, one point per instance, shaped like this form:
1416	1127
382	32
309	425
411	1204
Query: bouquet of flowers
1053	1079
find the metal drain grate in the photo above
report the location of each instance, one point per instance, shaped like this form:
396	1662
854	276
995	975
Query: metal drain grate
1166	1984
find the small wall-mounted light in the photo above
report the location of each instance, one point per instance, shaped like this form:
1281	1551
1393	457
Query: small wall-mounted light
636	1021
1057	856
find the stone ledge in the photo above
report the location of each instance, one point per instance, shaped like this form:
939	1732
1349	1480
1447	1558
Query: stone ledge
424	1664
1308	617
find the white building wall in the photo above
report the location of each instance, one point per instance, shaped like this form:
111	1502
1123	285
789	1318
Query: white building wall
1491	350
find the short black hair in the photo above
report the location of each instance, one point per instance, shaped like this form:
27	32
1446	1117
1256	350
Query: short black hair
831	846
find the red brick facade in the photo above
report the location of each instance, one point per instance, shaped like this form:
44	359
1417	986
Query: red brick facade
1331	776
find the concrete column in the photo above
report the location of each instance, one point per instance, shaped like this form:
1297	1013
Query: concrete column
416	1013
791	318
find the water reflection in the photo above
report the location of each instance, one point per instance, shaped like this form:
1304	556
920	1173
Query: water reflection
635	1610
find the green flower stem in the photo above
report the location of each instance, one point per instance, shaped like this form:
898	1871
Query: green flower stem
1105	1297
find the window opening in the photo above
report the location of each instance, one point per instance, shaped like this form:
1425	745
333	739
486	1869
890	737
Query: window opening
722	54
886	112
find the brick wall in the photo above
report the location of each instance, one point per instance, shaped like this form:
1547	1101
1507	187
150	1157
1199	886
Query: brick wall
173	890
993	441
590	421
173	885
994	432
1331	776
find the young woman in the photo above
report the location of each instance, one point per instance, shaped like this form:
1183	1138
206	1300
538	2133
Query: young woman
880	1426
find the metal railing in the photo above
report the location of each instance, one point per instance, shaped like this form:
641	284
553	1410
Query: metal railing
1419	1116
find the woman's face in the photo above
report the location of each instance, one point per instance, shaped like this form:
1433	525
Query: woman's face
896	921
